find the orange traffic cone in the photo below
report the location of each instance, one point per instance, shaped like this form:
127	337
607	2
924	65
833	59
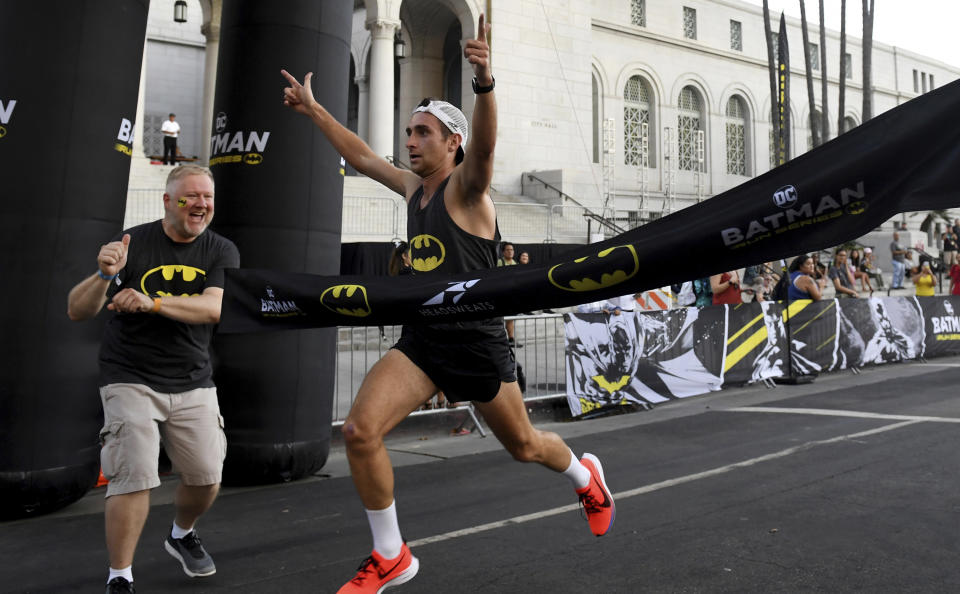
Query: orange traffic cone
102	480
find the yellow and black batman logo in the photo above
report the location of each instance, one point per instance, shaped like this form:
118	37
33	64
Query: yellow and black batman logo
348	300
609	267
253	158
857	207
426	253
611	387
3	131
173	280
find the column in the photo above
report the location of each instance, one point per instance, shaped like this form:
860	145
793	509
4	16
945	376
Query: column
363	107
212	32
381	126
139	133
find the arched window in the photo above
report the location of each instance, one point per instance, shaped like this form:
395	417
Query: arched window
689	123
849	124
637	112
736	136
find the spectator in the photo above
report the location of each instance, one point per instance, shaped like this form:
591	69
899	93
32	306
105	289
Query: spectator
506	259
701	288
506	255
860	271
802	285
819	271
155	370
524	258
400	260
753	283
726	288
840	274
949	247
171	131
898	255
923	281
955	279
613	306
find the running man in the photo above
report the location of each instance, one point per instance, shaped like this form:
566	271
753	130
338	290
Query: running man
447	197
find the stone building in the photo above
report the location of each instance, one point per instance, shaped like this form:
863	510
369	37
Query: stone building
641	107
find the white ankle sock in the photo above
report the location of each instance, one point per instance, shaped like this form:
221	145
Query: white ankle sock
577	473
178	532
386	531
126	573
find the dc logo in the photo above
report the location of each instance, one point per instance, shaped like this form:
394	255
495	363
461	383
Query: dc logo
221	122
949	307
269	291
785	197
455	290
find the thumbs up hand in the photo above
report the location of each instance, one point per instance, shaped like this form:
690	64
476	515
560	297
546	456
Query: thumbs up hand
113	256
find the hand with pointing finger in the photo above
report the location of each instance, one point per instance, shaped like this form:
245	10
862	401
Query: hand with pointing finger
477	52
299	97
113	256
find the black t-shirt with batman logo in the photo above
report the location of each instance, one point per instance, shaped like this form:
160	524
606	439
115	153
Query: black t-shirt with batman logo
150	349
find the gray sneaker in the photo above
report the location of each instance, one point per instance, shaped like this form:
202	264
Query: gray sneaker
189	551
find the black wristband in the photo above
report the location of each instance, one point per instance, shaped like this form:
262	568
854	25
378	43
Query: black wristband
477	89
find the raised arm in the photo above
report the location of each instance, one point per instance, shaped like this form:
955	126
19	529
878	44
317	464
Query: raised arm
476	171
361	157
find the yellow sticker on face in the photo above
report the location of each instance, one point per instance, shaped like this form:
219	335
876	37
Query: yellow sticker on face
182	202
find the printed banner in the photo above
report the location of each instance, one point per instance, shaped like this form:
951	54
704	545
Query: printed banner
903	160
650	357
641	357
942	325
812	331
756	343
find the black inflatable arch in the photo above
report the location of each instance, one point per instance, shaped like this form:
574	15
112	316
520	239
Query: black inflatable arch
68	98
279	188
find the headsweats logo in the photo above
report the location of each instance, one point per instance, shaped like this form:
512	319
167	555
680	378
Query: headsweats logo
272	307
124	143
796	214
173	280
426	253
6	110
347	300
607	268
246	147
448	301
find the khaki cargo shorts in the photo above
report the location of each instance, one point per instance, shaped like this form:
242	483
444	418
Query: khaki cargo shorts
136	418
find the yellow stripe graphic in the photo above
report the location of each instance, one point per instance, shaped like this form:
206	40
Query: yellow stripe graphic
744	329
734	356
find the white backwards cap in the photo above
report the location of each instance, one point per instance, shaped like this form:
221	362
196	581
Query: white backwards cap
449	116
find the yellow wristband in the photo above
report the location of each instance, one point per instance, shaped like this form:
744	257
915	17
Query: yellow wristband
156	305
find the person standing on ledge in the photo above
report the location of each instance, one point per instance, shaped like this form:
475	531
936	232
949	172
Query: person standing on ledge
171	131
447	193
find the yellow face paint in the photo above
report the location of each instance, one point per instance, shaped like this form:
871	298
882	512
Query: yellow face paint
182	202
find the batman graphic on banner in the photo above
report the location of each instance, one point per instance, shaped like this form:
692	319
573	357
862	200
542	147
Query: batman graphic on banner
639	357
903	160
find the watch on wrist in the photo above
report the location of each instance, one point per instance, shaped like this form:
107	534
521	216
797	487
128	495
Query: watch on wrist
477	89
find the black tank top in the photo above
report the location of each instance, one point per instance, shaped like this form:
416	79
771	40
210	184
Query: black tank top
439	245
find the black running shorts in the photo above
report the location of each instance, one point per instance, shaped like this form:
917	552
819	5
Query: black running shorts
466	365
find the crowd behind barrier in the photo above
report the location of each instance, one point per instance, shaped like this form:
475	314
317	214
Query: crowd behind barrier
643	358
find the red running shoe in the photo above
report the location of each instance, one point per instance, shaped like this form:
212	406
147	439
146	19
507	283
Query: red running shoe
376	574
596	498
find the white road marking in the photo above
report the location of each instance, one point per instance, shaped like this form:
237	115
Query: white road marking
843	413
656	486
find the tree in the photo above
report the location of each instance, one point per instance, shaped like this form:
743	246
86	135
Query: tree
824	115
772	68
841	102
814	124
867	59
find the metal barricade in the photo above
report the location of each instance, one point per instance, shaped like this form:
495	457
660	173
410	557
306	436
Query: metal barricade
374	217
143	206
541	356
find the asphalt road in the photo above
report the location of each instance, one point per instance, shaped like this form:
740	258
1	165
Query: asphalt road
847	484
